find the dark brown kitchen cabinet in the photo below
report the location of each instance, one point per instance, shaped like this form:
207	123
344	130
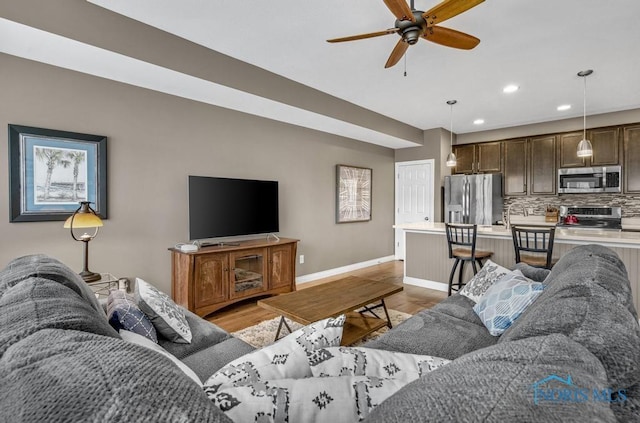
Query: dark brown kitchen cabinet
542	165
631	141
569	148
465	158
483	157
605	143
530	166
515	167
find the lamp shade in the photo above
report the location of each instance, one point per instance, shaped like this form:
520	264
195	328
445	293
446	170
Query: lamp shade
84	217
584	148
83	220
451	160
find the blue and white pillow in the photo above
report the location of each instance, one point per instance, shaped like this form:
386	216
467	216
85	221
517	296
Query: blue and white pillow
123	313
506	300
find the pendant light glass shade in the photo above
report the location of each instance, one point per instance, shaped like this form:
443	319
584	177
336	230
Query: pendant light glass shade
451	158
585	149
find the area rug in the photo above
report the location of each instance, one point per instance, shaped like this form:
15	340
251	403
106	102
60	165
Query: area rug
263	333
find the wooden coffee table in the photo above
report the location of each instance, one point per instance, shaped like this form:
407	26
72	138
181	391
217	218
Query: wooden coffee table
352	296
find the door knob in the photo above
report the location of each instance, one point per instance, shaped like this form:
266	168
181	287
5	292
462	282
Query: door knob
426	218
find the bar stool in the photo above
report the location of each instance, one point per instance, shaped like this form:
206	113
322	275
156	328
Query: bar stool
536	243
462	247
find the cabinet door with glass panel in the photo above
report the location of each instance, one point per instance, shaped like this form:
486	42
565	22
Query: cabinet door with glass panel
248	272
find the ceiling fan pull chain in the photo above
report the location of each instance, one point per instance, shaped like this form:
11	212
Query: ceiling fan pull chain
405	63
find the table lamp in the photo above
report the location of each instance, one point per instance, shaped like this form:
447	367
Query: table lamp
85	217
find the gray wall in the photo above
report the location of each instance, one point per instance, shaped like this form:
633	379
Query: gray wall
155	141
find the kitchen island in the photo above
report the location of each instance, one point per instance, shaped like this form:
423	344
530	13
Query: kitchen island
427	262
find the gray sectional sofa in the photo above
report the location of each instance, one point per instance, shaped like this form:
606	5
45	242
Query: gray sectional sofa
574	355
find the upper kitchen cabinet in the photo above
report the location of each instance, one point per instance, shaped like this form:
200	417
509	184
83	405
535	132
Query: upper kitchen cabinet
515	167
478	158
605	142
542	169
631	137
530	166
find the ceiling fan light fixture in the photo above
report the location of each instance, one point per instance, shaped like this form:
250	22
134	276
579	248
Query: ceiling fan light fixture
585	149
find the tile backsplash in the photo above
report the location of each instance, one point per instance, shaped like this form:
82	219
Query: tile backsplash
630	204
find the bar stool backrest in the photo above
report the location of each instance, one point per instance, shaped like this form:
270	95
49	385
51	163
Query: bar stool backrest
533	240
461	236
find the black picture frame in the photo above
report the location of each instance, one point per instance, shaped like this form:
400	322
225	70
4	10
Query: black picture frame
51	171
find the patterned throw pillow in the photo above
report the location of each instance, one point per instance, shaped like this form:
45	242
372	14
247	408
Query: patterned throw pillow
166	316
287	358
505	301
123	313
134	338
345	399
481	281
358	361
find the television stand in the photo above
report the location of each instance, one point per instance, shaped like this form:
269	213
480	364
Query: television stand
220	274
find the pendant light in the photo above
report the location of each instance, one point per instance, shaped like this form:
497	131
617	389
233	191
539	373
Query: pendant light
584	146
451	158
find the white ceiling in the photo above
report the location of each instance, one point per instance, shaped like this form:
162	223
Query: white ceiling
539	45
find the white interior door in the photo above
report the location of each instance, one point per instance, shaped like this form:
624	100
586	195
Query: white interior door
414	197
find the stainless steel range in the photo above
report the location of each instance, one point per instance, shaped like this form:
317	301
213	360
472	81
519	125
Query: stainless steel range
591	217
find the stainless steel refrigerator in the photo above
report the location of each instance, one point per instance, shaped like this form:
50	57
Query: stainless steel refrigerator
473	198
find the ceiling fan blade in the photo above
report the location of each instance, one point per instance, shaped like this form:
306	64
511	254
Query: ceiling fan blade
363	36
447	10
400	10
450	38
398	51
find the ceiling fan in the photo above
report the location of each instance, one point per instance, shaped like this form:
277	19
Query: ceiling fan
412	24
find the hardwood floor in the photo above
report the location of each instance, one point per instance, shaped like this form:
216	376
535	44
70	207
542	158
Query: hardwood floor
411	300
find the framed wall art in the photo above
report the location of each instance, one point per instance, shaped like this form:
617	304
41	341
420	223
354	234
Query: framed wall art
51	171
353	194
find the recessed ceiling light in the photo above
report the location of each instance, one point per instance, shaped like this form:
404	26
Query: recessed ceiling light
510	89
564	107
478	121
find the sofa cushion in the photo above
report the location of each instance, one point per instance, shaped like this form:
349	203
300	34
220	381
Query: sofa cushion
204	334
72	376
448	330
579	302
536	274
35	304
506	300
143	341
498	384
45	267
123	313
206	362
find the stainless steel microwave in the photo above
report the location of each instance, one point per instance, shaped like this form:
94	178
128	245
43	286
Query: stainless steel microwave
589	179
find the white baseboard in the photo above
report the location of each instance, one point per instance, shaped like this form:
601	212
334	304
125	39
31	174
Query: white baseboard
424	283
344	269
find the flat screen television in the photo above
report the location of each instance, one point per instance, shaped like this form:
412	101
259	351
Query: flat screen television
221	207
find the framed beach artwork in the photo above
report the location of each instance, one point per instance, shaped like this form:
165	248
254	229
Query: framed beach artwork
353	194
51	171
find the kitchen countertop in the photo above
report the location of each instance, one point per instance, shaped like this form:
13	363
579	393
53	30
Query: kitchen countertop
569	236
